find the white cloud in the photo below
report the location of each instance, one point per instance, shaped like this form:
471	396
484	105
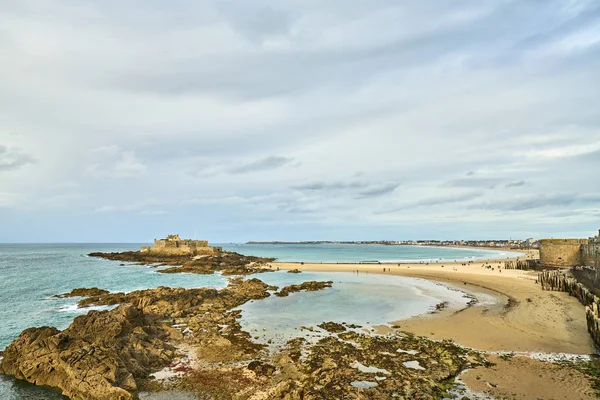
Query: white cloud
252	119
149	207
112	162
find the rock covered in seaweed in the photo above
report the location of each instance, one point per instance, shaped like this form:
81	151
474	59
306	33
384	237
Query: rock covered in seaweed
332	327
335	367
309	286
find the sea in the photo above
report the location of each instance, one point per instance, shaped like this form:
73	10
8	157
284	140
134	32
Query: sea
32	274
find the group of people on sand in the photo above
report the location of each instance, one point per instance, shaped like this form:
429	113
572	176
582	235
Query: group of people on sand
492	268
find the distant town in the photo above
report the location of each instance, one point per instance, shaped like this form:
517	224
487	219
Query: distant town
511	244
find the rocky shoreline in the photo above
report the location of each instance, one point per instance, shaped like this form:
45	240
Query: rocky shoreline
173	339
225	262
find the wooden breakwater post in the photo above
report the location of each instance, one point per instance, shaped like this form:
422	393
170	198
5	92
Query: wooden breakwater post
559	281
524	265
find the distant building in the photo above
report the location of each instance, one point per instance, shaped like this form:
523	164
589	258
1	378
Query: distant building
174	245
531	243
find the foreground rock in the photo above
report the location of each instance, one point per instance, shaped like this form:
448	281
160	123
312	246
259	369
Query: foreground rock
100	356
349	366
228	263
108	354
356	366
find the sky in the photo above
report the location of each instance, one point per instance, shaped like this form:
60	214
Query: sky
123	121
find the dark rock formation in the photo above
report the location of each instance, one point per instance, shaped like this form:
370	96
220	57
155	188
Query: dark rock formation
332	327
294	271
441	306
310	286
228	263
144	258
261	368
84	292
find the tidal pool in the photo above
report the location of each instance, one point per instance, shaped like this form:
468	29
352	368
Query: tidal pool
360	299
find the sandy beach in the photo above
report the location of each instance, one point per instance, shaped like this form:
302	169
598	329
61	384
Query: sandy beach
523	318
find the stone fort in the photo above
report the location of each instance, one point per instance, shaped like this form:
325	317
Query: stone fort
564	253
174	245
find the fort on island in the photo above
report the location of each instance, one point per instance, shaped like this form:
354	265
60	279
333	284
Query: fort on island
174	245
565	253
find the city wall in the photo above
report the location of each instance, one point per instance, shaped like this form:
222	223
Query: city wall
590	254
561	253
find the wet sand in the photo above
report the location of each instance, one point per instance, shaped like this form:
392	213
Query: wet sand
524	318
525	378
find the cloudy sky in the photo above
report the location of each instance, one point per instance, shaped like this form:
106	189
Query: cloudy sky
293	120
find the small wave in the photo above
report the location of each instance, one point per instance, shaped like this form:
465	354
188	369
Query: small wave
70	307
74	308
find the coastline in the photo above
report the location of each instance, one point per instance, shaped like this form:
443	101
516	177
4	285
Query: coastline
501	323
519	321
524	319
528	254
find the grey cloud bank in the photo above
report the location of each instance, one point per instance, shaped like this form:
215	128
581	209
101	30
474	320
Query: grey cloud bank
11	159
292	121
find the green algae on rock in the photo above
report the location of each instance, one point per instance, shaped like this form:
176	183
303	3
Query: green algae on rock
332	327
310	286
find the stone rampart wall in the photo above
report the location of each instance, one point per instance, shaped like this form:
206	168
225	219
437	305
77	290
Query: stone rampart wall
180	250
590	254
561	252
179	247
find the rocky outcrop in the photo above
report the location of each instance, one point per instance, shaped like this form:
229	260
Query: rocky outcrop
358	366
336	365
310	286
228	263
100	356
344	366
294	271
83	292
109	354
332	327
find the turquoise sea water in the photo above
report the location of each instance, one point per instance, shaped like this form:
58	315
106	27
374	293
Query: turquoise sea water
364	299
30	274
352	253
